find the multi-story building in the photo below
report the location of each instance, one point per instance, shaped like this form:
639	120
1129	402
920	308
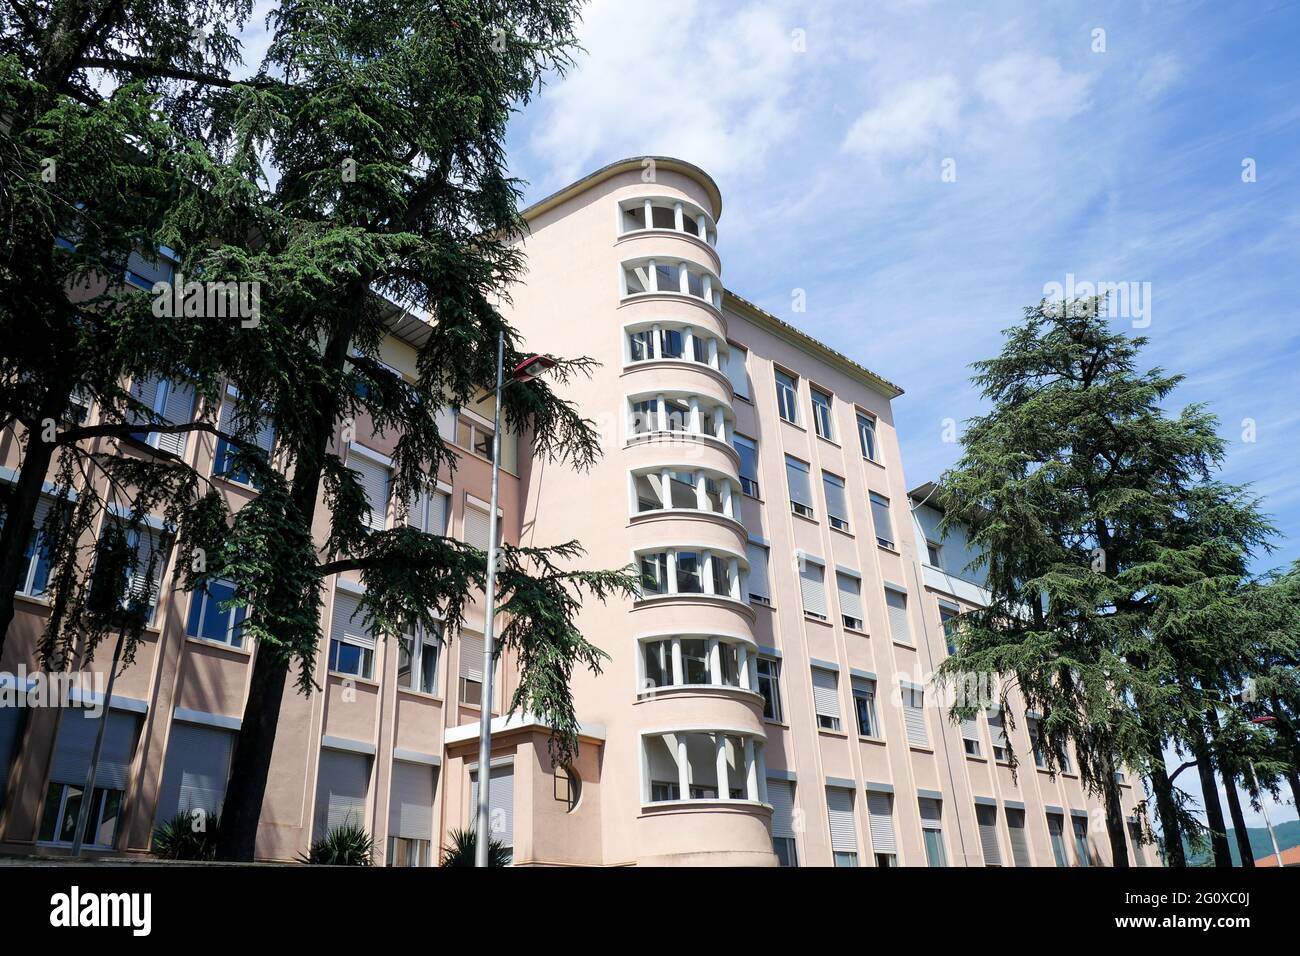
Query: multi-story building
766	698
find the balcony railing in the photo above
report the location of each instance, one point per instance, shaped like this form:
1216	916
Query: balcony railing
637	215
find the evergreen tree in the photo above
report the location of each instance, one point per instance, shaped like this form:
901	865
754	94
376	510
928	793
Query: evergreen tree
1112	552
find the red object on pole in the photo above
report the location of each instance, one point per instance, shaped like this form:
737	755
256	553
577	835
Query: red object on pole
531	367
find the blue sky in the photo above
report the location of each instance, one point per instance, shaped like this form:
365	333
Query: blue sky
1117	166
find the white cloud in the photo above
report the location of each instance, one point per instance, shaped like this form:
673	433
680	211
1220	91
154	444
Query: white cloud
907	120
1026	88
681	78
1160	74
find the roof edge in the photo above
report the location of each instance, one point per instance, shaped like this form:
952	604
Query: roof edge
669	163
815	347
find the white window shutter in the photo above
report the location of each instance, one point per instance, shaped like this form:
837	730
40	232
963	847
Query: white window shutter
780	793
736	372
196	770
800	488
880	517
881	811
342	786
501	804
374	479
1019	840
850	590
896	605
914	717
970	729
410	803
471	656
757	557
348	621
987	819
76	744
839	804
826	696
476	527
813	588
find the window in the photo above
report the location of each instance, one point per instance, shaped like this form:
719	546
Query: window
430	512
1056	830
932	831
748	452
705	765
171	403
342	790
211	619
880	517
844	835
970	736
1080	823
641	345
896	608
73	750
690	573
474	435
780	794
787	396
769	685
998	731
867	436
373	476
11	732
34	575
737	373
1036	742
225	461
195	772
476	529
837	510
1134	835
410	814
850	593
417	659
821	408
144	565
796	473
986	819
759	590
471	668
145	270
880	813
812	587
864	705
914	715
567	787
826	698
352	645
934	554
948	619
654	573
1019	839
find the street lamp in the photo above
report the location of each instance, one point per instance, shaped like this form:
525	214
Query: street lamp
527	370
1263	809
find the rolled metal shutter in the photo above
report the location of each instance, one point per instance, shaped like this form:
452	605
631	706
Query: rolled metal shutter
880	808
196	771
880	517
348	621
342	785
813	588
374	481
896	603
11	724
826	697
501	804
76	745
914	717
178	409
850	592
970	730
931	810
839	805
1019	839
471	656
476	527
800	488
780	793
986	818
410	804
757	557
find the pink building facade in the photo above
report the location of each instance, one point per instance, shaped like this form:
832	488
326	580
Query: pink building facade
767	699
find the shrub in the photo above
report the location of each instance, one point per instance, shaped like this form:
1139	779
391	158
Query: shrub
187	836
463	845
346	845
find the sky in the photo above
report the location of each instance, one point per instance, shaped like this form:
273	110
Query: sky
923	170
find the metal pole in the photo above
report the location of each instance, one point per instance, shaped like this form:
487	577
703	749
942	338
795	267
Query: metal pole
489	631
88	794
1263	809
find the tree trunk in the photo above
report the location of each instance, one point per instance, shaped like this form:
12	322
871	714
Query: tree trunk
1238	819
20	516
1115	823
1210	796
1170	832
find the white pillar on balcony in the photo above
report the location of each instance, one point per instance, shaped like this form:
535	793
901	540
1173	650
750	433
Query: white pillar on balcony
688	344
719	423
654	342
702	227
654	276
733	571
728	500
742	667
678	671
666	487
683	768
649	214
707	292
760	764
753	673
720	761
713	354
695	427
661	407
679	217
672	572
683	279
706	572
751	770
701	491
715	662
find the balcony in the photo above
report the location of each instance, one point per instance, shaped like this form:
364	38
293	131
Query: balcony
663	214
652	278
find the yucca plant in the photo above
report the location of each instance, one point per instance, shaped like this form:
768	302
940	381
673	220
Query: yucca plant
464	843
346	845
186	836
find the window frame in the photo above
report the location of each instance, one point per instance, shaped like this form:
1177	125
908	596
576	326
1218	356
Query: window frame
749	487
234	632
877	500
832	480
787	395
871	423
771	679
823	413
